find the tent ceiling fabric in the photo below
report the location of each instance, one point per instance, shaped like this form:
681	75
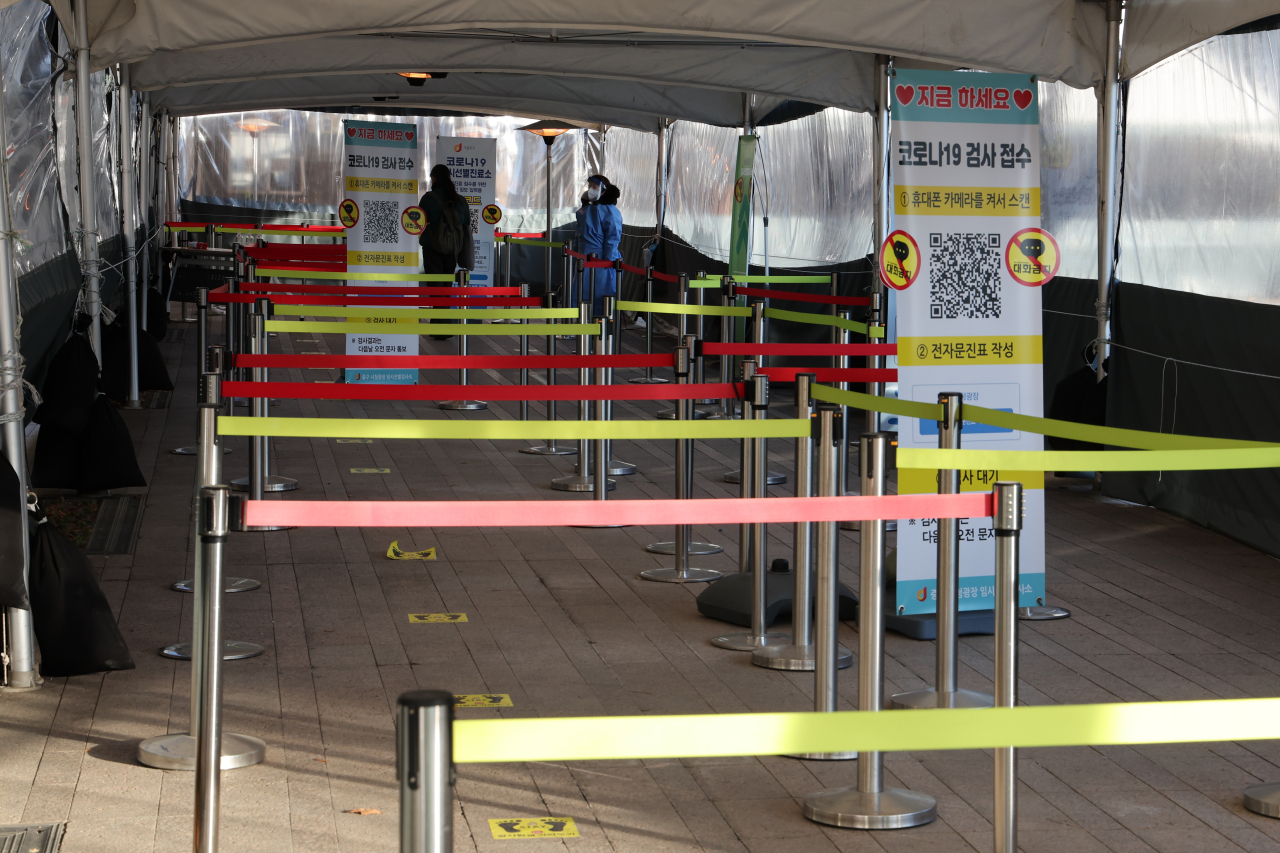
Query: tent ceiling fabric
834	78
1157	29
639	106
1057	39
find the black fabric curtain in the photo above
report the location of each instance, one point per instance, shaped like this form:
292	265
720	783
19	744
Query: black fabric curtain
1150	390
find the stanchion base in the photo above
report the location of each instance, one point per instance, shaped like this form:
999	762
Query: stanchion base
1263	799
676	576
579	483
1043	614
231	585
797	658
747	642
824	756
773	478
193	450
463	405
178	752
721	416
696	549
620	469
930	698
544	450
272	483
892	808
670	414
231	650
646	381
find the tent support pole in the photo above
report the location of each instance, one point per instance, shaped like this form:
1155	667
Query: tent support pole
21	674
146	167
1107	161
128	223
88	205
883	193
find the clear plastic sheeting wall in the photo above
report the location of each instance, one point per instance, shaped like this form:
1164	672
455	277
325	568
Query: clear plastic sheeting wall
631	163
1201	209
104	99
294	161
1069	175
28	68
812	178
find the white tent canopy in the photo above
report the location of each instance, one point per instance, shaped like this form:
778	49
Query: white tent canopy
639	106
834	78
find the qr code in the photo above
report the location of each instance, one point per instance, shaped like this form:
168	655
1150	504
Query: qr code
964	274
381	222
475	220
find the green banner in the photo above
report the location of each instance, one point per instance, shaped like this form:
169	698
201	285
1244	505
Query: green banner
740	233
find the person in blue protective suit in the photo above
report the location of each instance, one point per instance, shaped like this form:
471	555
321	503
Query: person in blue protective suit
600	233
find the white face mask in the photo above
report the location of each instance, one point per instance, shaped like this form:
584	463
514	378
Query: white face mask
593	192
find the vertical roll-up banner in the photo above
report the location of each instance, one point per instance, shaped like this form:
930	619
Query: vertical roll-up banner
740	218
966	181
379	207
472	163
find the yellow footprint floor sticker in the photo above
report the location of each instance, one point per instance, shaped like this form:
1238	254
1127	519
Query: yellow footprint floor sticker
394	553
533	827
421	618
482	700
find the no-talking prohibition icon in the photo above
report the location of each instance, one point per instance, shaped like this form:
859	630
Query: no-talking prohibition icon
492	214
1032	257
900	260
413	220
348	213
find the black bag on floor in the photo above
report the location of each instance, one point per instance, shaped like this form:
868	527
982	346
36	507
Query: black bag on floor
74	625
70	386
107	460
157	315
13	591
57	462
152	373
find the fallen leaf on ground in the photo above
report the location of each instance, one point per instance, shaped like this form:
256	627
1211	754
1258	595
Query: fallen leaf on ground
362	811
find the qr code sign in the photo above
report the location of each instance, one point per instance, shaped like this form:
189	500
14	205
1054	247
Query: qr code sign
964	273
381	222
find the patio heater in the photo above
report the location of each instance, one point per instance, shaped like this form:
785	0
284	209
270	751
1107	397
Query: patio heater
548	130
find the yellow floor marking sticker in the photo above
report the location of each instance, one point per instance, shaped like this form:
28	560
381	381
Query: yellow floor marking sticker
394	553
533	827
482	700
350	440
370	470
419	618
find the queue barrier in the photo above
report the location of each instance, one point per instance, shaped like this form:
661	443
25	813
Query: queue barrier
520	241
832	374
825	320
354	391
433	328
627	430
381	301
660	276
361	290
430	313
717	348
673	308
1220	459
452	362
791	296
290	230
303	271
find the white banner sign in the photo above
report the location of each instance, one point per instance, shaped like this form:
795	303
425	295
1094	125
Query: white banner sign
472	164
966	182
380	168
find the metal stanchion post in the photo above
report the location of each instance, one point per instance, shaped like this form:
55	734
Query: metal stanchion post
550	448
260	478
870	805
424	768
756	533
581	481
683	546
727	299
524	343
609	345
946	692
757	325
875	320
600	447
463	405
842	361
202	347
213	533
506	261
682	324
648	378
800	653
178	751
1007	522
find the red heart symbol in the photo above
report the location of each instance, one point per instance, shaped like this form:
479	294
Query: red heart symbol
905	94
351	131
1022	97
408	134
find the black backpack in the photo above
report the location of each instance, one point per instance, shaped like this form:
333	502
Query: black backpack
445	236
